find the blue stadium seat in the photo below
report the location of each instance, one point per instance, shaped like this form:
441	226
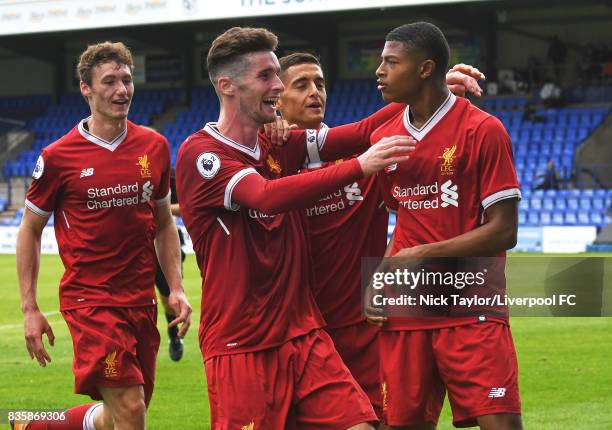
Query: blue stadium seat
545	218
583	218
597	219
560	204
573	203
535	203
536	136
585	203
548	204
598	204
558	218
533	218
570	218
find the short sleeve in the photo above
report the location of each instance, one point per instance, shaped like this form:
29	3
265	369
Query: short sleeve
206	176
498	180
163	191
42	196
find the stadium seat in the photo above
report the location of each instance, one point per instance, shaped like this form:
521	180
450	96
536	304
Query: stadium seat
598	204
573	204
535	203
545	218
558	218
533	218
585	203
583	218
560	204
597	219
548	204
570	218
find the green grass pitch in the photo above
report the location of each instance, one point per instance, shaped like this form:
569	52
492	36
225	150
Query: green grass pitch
565	364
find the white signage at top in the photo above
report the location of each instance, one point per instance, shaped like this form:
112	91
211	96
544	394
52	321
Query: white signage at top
33	16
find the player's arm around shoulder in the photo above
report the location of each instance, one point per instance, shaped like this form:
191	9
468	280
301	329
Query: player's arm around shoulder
168	249
28	263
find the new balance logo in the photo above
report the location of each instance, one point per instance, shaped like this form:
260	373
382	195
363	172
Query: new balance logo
87	172
449	194
497	392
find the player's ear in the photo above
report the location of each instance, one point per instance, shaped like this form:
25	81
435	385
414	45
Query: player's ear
226	86
427	69
85	90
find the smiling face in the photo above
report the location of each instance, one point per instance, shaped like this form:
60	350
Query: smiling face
402	73
111	90
304	98
260	87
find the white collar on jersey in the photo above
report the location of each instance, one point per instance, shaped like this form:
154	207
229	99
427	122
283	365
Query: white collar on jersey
420	133
111	146
211	128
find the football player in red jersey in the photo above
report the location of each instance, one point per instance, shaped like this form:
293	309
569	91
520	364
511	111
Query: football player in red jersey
457	196
354	214
268	363
107	184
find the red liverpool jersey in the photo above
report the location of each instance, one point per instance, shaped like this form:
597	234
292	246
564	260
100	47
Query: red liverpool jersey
255	267
103	196
345	226
462	165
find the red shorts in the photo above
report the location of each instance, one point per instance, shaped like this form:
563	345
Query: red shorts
113	347
358	346
475	363
302	384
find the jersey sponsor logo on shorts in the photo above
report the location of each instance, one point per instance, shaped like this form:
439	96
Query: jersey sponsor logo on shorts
249	426
87	172
273	165
497	392
145	166
110	365
147	192
448	156
208	164
449	194
39	168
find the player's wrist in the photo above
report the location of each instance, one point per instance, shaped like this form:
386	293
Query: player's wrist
364	166
30	308
177	289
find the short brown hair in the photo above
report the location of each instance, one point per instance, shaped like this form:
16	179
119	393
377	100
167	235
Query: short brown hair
296	59
230	47
102	53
